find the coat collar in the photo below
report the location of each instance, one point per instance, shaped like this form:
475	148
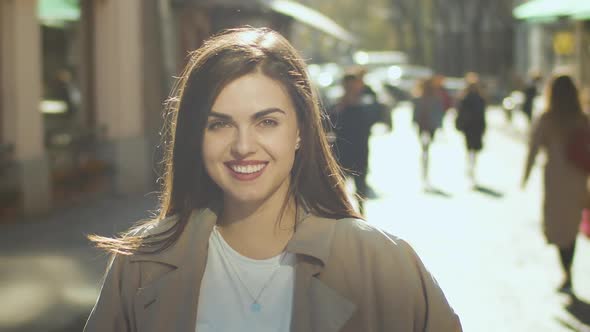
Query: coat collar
312	237
196	233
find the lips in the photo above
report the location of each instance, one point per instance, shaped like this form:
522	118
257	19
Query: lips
246	170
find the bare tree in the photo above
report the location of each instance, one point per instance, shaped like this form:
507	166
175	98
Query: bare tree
455	36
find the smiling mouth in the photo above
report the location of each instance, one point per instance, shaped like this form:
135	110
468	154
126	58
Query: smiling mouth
246	171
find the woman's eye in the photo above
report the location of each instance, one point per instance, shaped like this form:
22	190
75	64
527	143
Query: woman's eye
269	123
217	125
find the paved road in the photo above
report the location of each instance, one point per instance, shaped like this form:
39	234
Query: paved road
484	246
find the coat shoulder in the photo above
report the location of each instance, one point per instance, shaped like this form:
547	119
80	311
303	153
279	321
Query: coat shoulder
368	243
154	227
365	232
371	258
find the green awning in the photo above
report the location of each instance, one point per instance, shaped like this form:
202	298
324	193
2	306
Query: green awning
58	10
582	12
551	9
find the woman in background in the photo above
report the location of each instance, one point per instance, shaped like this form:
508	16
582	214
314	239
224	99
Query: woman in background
471	121
428	116
565	191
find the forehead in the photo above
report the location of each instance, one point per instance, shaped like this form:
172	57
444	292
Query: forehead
252	93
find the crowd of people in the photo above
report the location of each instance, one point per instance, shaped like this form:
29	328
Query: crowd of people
563	126
352	117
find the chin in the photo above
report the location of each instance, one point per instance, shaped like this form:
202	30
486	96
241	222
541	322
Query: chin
247	196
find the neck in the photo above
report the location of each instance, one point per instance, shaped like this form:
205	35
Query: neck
259	230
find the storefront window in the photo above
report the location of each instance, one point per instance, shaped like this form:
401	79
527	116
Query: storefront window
70	138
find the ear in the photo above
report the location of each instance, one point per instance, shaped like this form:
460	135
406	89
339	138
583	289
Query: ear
298	143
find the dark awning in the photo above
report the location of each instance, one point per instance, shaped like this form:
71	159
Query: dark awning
312	18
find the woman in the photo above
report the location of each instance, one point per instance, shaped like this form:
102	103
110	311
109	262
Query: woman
428	116
256	232
471	121
564	184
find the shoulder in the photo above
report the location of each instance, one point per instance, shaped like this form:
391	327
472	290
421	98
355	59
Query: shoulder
543	121
369	265
357	228
124	265
354	236
153	227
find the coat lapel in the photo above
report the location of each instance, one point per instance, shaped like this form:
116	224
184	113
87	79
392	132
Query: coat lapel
316	307
169	302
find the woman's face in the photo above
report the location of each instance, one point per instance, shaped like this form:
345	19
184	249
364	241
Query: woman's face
250	139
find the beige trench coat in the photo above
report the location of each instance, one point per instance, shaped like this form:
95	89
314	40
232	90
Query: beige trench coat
349	277
565	186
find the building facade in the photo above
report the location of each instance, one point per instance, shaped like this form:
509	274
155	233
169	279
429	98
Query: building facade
82	88
554	37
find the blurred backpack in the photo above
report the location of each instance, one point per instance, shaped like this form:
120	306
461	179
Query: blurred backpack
578	149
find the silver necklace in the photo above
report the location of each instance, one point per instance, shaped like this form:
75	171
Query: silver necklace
255	306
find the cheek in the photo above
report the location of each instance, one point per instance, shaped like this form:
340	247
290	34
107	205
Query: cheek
280	143
210	151
283	148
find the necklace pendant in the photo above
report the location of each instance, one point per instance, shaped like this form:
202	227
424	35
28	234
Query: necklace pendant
255	307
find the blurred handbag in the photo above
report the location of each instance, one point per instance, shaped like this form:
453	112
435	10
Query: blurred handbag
585	224
578	149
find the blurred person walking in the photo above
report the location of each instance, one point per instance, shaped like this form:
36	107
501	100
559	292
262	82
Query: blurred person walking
530	93
428	116
438	82
472	123
353	116
565	185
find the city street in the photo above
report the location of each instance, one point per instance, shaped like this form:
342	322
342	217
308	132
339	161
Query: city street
484	245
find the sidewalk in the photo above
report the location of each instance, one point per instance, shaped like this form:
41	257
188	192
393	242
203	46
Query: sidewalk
486	246
49	273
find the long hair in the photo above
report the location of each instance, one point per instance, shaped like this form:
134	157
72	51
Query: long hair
316	179
562	97
426	88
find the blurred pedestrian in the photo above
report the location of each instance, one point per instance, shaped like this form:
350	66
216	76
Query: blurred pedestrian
428	116
353	117
565	190
438	82
377	104
256	232
471	122
64	90
530	93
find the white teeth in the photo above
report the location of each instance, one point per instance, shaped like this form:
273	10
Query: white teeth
248	169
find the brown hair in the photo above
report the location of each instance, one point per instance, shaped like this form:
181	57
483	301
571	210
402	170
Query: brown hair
563	96
317	180
426	88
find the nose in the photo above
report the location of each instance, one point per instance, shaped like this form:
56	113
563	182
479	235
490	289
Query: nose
244	143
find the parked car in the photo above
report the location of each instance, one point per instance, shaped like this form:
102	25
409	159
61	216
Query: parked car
326	78
400	80
375	59
454	85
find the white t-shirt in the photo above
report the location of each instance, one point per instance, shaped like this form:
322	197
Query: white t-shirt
226	300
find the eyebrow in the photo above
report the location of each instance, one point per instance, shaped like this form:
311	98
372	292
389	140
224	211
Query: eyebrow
255	116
